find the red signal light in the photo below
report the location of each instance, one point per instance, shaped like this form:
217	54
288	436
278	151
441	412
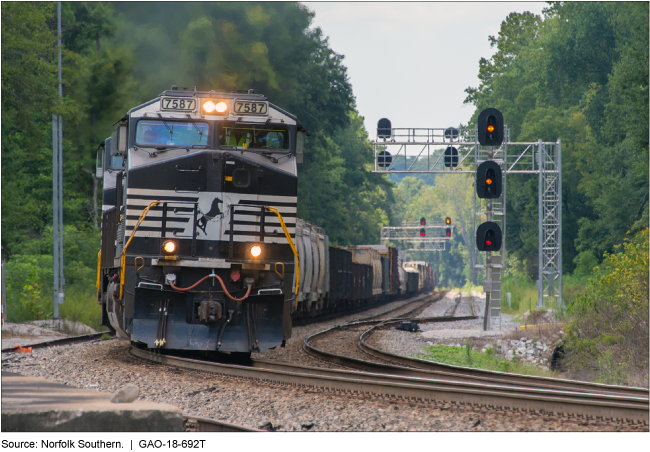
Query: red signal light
421	234
488	242
448	234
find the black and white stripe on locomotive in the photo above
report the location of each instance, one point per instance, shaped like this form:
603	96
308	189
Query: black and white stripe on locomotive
179	220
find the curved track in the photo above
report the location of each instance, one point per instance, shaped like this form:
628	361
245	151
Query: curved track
401	377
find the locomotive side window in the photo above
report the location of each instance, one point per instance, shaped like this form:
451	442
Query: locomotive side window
172	133
241	178
253	136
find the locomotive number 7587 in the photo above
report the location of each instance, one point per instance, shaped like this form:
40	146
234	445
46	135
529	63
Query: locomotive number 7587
177	104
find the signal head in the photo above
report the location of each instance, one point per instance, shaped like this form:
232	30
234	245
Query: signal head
447	220
490	127
384	128
488	237
489	179
448	232
423	221
422	233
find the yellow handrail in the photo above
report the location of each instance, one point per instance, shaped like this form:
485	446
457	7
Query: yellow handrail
99	269
293	248
123	262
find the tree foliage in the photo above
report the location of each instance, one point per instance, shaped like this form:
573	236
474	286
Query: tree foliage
579	73
119	55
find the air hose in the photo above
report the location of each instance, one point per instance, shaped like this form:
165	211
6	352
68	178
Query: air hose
212	275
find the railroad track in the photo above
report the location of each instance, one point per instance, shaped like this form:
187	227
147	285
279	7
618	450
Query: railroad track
421	380
401	365
438	391
65	341
437	383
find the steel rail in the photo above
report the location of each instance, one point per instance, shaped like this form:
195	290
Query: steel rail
496	376
437	391
355	310
455	373
204	424
63	341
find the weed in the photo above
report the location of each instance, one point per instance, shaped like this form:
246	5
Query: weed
488	360
468	350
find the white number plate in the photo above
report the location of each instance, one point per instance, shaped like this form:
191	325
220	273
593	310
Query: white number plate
246	107
178	104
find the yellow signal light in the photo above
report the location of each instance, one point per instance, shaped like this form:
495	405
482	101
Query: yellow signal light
488	181
490	128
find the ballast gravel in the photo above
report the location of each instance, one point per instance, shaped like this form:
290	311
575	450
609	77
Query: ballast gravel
455	333
108	366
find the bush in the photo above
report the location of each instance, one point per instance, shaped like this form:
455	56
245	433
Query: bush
608	339
30	290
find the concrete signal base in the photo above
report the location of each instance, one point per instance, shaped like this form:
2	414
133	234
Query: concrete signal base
32	404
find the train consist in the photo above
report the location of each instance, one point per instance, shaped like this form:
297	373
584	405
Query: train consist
201	248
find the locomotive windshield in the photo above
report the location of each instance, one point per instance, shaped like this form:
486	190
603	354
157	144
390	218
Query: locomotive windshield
171	133
253	136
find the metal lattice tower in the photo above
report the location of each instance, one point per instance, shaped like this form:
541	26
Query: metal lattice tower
421	150
550	222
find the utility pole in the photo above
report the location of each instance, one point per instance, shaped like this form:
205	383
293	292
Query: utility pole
57	189
4	293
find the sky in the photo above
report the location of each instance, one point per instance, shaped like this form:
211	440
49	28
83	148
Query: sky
411	62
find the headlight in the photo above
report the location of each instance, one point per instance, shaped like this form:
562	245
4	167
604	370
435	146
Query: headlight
221	107
215	108
209	106
169	247
256	250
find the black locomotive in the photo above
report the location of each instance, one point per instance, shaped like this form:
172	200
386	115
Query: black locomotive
201	248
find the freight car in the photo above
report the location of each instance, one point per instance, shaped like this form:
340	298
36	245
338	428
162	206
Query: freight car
201	248
351	277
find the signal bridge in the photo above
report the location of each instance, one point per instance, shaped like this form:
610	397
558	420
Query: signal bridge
459	150
389	233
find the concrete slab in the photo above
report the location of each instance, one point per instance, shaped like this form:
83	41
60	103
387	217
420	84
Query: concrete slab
34	404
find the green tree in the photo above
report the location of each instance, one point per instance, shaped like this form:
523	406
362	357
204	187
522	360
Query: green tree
579	74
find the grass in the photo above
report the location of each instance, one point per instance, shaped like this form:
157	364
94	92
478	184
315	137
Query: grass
81	305
466	357
524	295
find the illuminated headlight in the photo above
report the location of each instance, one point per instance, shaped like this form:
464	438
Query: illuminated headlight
210	107
256	250
221	107
169	247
